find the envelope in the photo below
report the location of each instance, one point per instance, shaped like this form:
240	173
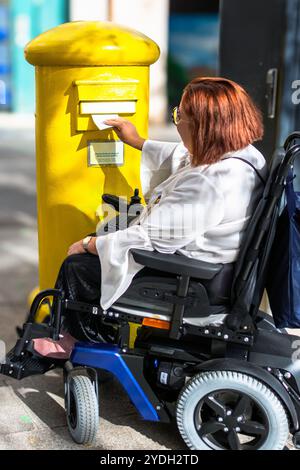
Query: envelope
99	118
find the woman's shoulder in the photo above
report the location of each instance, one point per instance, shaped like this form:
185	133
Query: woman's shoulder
251	154
230	165
234	167
237	160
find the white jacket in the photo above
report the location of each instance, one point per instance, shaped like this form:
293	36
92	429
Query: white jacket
200	212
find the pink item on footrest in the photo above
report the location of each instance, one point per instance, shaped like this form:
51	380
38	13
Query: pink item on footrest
60	349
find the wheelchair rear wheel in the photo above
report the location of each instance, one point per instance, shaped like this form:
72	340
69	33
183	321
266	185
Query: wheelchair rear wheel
226	410
82	410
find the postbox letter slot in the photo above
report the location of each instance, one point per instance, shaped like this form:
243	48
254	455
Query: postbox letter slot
107	107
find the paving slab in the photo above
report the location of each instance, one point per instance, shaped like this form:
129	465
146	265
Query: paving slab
34	416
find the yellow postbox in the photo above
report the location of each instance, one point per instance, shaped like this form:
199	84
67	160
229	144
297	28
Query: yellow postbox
84	69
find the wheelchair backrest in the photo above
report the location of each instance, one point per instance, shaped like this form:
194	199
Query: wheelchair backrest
250	269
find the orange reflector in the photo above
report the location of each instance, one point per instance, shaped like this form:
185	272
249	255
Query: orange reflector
163	325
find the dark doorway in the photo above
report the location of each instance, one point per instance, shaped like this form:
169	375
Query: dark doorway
260	48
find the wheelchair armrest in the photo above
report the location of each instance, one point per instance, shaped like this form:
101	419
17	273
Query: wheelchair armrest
175	263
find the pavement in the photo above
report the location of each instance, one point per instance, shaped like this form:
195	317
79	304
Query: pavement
32	412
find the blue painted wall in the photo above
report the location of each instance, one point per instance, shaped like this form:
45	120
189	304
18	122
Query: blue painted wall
5	95
29	18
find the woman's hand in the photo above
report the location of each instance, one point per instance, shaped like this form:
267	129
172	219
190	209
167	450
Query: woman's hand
77	247
126	132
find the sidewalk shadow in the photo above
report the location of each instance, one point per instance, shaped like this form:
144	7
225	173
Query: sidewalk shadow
115	407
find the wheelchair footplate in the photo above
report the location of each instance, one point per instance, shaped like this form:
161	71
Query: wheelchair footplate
22	361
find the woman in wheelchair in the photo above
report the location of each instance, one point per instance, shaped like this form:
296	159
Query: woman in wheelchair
200	196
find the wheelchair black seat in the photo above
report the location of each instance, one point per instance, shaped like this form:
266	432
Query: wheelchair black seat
153	294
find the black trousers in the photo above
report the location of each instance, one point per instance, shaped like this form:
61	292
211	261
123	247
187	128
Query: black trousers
80	279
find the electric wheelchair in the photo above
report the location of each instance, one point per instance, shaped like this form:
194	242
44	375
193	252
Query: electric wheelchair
204	354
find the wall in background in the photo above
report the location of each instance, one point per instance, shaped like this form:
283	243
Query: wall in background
29	18
193	43
151	18
5	69
89	10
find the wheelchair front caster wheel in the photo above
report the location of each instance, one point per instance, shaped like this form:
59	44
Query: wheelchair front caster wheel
226	410
82	409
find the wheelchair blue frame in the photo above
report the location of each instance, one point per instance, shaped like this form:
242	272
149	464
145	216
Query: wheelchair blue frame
109	357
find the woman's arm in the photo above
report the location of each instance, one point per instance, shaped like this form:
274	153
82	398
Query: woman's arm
159	159
126	131
92	246
77	247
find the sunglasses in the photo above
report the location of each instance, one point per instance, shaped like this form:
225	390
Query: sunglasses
176	116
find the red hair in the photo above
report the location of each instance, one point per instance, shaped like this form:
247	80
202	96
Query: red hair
224	118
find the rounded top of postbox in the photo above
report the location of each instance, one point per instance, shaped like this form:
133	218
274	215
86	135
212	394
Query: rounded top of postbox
87	43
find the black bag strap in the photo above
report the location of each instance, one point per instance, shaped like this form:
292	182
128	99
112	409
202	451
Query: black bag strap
250	164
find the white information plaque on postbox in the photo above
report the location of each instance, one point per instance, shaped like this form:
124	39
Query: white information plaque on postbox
105	153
